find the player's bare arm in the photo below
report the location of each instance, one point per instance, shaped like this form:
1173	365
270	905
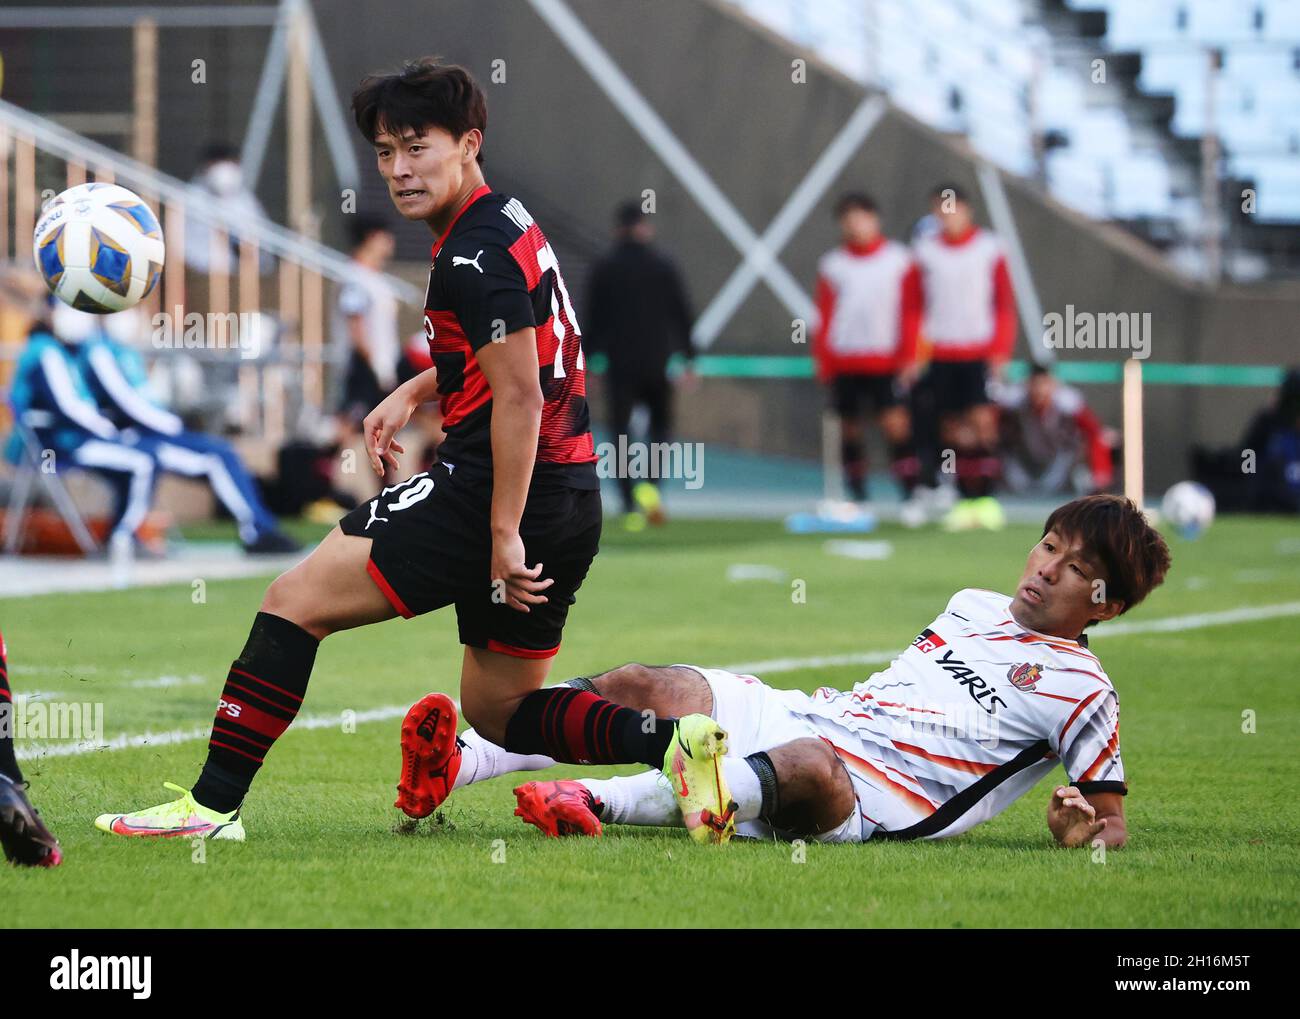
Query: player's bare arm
391	416
510	368
1076	819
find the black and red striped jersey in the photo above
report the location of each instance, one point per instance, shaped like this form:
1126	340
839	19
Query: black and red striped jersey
494	273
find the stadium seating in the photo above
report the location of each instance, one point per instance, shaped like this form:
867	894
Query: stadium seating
1257	92
994	71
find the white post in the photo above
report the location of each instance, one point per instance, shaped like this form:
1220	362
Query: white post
1133	451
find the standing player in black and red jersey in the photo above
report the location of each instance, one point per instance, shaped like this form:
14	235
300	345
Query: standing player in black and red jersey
25	840
504	527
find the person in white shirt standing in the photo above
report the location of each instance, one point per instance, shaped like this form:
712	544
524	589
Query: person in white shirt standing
869	312
365	325
970	326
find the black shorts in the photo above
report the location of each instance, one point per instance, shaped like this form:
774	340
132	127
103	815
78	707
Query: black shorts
955	386
432	546
855	395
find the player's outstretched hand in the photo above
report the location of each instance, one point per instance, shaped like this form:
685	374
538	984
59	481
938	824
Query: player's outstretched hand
512	581
1072	818
382	423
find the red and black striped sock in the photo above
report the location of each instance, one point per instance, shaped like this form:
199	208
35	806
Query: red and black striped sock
263	693
905	465
853	455
580	727
8	762
978	471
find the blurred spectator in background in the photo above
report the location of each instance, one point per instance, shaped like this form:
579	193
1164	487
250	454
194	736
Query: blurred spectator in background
51	396
1052	443
869	313
221	176
1274	436
970	326
927	225
427	418
365	325
115	374
638	315
81	391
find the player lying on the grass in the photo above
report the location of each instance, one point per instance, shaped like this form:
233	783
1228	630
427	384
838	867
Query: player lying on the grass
23	836
983	704
504	527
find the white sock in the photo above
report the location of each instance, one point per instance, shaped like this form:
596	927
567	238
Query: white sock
743	782
481	760
645	799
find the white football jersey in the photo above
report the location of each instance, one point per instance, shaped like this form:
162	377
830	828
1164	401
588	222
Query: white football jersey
971	716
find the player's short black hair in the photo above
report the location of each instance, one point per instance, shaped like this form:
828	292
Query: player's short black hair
424	93
1114	531
855	200
361	227
628	215
218	152
1036	370
942	191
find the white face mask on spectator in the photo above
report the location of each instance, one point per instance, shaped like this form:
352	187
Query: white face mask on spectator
73	326
225	178
124	326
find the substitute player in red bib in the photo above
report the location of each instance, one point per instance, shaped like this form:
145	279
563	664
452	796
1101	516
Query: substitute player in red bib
970	325
504	527
869	313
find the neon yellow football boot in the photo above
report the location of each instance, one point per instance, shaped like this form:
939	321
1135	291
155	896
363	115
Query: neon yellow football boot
182	818
964	516
648	502
989	514
693	765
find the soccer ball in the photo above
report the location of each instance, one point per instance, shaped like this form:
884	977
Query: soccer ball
99	247
1189	506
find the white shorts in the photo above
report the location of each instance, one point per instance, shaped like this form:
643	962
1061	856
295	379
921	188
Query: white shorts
758	717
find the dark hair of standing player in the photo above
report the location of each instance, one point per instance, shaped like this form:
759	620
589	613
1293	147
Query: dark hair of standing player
362	228
855	200
949	190
628	215
218	152
1113	529
424	93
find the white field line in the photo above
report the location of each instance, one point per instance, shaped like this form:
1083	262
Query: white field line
174	736
163	682
1172	624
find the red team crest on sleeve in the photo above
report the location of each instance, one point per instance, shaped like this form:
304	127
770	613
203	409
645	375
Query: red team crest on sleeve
927	640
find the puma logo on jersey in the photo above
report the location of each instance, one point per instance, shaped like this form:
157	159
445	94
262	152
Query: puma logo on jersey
374	505
460	260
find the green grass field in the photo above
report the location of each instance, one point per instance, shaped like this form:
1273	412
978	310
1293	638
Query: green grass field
1214	824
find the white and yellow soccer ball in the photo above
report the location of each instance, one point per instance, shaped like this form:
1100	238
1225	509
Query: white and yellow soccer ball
1189	507
99	247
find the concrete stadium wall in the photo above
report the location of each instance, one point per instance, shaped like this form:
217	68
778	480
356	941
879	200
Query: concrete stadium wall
723	84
